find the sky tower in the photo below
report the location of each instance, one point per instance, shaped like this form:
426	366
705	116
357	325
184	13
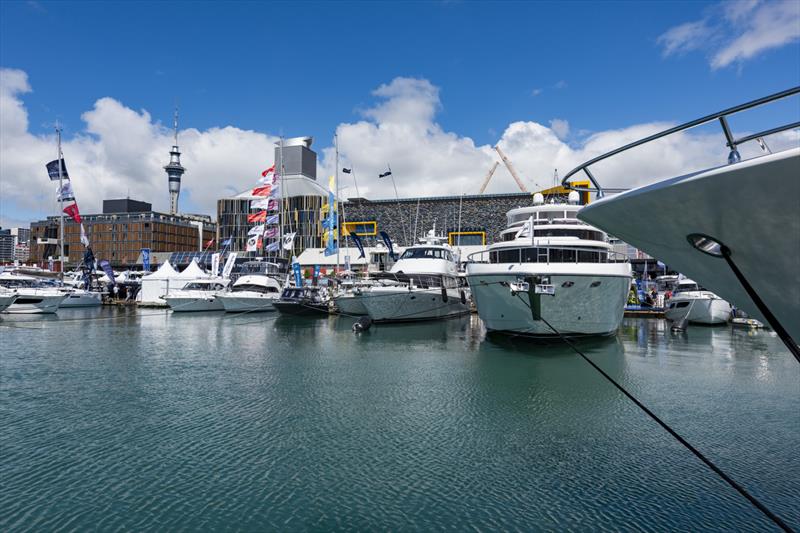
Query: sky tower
174	170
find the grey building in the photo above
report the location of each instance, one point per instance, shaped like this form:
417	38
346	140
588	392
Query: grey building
14	244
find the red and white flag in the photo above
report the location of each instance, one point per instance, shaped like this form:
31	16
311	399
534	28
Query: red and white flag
73	212
268	171
262	190
259	217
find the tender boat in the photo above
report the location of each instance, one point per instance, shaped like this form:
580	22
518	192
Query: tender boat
550	274
733	228
251	293
198	295
693	303
32	296
422	285
304	301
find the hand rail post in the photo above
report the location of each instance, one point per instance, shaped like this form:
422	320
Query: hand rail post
734	156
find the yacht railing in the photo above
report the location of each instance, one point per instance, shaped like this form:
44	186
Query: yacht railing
543	253
732	143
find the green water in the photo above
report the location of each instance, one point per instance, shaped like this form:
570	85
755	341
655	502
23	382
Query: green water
256	423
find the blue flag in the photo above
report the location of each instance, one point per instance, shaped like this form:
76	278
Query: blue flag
358	243
227	242
388	242
298	278
106	266
146	259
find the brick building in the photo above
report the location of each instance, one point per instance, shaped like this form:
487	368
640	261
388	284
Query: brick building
120	232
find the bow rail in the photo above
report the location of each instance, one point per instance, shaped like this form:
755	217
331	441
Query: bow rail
732	142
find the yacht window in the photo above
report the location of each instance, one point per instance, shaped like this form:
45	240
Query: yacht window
686	287
587	234
426	253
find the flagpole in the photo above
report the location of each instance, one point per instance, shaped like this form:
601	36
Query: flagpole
397	197
60	199
336	202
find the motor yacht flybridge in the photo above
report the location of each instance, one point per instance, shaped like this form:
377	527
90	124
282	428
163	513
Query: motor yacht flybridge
550	274
734	229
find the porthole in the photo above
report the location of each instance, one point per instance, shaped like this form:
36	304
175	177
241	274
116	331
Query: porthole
595	284
568	284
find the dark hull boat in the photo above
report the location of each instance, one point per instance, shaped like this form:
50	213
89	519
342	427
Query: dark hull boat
304	301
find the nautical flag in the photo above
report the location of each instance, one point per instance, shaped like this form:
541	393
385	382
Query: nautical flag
227	242
271	232
52	170
358	243
288	240
106	266
64	193
84	238
261	203
388	242
261	216
387	173
262	190
256	230
273	219
72	211
270	169
347	170
253	244
273	246
209	243
276	189
88	259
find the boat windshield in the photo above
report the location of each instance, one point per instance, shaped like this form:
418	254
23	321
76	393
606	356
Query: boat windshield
250	287
687	287
203	286
427	253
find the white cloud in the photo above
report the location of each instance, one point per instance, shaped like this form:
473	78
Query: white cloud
536	92
560	127
122	150
732	32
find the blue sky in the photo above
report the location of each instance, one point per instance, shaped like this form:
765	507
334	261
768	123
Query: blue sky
305	68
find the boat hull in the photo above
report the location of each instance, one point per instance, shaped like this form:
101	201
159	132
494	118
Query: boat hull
583	304
351	304
35	304
750	207
246	304
188	304
301	309
82	299
401	304
6	300
708	311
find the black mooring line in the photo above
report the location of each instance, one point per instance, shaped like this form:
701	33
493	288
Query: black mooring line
741	490
768	316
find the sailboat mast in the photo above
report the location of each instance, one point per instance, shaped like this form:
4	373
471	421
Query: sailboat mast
336	201
281	184
60	200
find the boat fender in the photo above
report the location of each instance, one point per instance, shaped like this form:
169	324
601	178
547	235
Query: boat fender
362	324
444	295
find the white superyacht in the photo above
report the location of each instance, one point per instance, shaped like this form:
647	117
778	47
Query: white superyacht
550	274
422	285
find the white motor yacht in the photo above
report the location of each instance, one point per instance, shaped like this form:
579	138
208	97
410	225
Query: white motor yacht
733	228
348	299
693	303
198	295
255	292
550	274
422	285
32	296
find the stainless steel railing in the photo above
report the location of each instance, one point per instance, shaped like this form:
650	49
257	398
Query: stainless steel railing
732	143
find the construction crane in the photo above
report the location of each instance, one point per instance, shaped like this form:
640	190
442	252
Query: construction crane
510	168
488	177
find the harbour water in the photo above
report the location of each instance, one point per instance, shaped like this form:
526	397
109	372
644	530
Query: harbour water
114	419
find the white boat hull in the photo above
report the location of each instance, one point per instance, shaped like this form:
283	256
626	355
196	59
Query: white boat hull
6	300
187	304
401	304
709	311
35	304
577	309
240	303
351	304
750	206
82	298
